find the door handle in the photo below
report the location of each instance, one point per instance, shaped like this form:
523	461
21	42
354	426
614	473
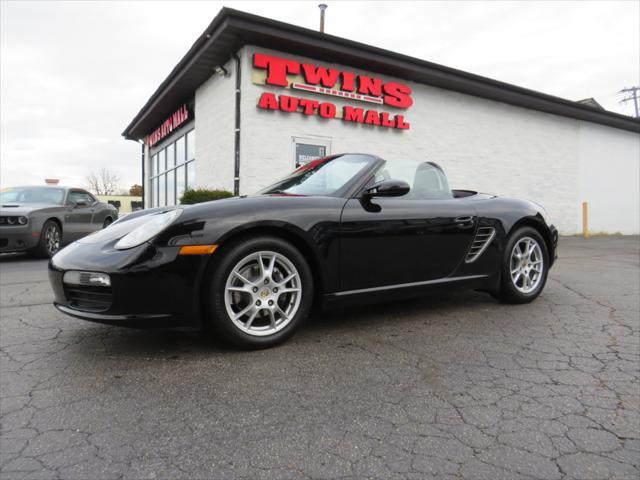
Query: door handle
464	222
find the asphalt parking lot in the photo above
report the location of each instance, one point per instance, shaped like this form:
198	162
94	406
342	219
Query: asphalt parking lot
448	386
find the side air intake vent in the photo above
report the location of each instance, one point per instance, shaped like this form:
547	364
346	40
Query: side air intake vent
483	238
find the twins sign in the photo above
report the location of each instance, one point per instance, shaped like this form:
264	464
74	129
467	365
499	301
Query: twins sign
372	92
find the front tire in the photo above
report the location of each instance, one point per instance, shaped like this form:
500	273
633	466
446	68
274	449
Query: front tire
525	264
260	292
50	240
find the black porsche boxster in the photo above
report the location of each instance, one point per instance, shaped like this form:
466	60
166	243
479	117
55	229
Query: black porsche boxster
346	228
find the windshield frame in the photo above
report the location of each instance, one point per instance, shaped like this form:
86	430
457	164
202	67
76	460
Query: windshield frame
64	191
346	191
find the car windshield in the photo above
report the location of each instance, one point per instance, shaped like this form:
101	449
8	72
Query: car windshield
322	177
426	180
32	195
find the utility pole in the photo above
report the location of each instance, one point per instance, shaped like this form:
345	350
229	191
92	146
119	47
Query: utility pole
631	94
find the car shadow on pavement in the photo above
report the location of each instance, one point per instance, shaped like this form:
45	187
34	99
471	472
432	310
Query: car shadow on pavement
396	318
18	257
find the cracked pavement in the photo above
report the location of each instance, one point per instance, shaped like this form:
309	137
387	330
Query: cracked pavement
448	386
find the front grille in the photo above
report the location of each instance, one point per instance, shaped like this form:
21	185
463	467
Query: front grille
88	299
483	238
3	242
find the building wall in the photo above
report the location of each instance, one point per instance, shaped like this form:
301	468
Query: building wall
125	201
482	145
610	178
215	117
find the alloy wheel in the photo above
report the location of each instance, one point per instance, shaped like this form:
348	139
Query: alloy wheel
526	265
263	293
52	239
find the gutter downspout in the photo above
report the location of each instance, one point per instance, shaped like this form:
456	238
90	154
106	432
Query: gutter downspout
236	169
142	184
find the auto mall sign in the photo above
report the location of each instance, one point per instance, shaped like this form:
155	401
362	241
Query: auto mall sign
349	86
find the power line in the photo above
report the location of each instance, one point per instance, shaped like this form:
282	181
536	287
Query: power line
631	94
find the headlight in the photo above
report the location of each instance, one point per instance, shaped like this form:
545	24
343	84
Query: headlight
156	224
23	220
91	279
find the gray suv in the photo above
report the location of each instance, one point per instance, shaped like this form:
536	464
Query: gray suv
40	220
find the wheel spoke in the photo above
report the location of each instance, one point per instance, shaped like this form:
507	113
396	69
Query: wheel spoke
272	264
241	289
250	320
288	279
243	312
281	312
289	290
517	277
241	278
273	319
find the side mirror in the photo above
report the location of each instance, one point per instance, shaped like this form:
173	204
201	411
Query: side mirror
388	188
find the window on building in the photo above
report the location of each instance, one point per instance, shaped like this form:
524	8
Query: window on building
171	187
191	175
191	145
171	158
156	192
162	184
154	165
173	171
180	150
180	182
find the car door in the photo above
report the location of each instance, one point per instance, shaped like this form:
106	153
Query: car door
98	213
418	237
79	215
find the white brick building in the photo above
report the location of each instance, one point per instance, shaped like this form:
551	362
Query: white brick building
487	135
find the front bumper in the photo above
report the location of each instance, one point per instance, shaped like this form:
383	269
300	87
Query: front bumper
150	286
17	238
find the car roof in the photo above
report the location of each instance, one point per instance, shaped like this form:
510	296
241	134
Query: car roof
64	187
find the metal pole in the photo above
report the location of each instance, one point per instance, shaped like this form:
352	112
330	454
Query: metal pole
236	155
585	219
322	8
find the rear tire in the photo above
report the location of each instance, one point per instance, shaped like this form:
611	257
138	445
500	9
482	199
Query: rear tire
107	221
260	292
525	263
50	240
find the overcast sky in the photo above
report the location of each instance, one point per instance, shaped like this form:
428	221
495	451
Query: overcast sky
72	75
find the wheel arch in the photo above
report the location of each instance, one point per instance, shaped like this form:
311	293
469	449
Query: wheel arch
538	225
286	232
56	220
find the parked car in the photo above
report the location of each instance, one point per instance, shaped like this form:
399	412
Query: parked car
342	229
40	219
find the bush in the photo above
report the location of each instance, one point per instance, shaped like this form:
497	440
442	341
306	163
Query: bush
199	195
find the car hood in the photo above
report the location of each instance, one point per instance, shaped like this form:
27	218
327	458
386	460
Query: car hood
25	208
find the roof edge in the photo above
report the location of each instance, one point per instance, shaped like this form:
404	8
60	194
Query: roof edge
476	85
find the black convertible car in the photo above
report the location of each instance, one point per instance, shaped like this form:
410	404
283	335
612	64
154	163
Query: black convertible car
345	228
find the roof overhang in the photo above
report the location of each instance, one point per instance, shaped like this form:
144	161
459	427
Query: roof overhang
231	29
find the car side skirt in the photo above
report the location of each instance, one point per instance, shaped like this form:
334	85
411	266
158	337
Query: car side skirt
404	290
